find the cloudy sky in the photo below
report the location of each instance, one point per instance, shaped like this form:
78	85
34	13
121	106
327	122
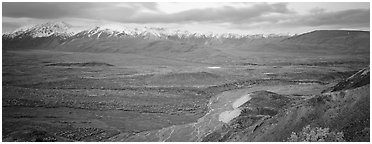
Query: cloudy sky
247	18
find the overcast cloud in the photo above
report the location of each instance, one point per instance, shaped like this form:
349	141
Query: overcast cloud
250	17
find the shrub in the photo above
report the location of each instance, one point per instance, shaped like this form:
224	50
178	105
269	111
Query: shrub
317	134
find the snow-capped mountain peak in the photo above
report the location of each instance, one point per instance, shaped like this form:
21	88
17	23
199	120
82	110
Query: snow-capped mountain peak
43	30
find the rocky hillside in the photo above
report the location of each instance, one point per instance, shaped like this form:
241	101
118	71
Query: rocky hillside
359	79
343	109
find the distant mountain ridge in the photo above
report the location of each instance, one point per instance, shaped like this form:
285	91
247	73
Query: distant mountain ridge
64	29
122	39
183	45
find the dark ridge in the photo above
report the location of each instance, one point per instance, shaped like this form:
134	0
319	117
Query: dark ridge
359	79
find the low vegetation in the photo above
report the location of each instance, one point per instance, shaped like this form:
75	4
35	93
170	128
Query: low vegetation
316	134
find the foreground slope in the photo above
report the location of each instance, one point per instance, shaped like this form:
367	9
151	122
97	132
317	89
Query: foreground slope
267	117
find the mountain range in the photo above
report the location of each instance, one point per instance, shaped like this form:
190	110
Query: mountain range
184	45
116	30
